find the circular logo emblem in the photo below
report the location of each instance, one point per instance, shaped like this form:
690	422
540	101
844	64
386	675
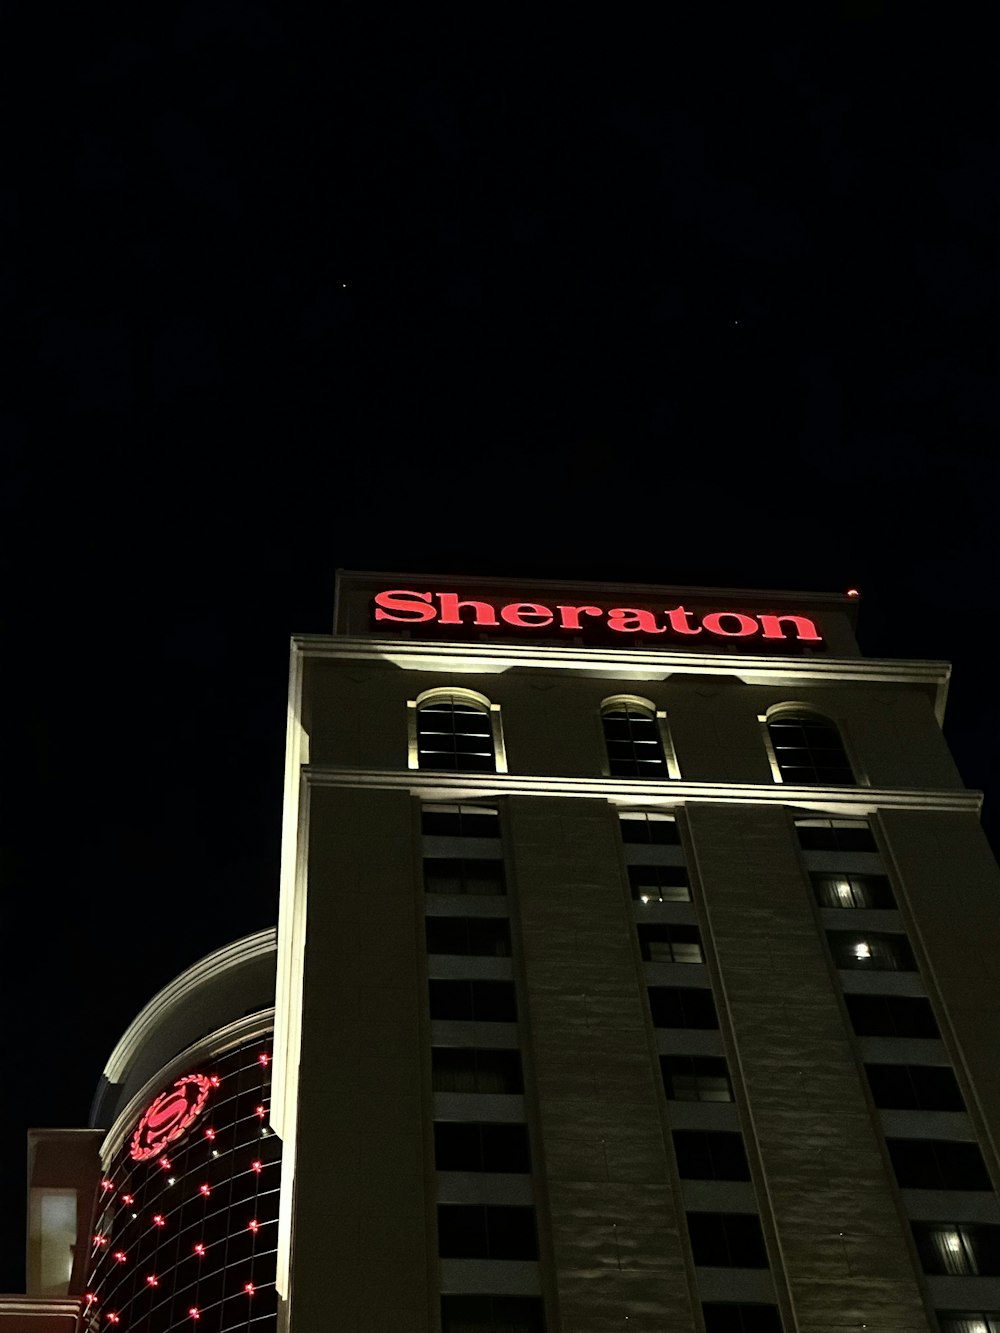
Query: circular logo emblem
170	1116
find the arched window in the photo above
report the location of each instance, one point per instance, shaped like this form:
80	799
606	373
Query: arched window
807	750
634	739
455	730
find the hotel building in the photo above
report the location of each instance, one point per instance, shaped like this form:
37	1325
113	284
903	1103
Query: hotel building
635	971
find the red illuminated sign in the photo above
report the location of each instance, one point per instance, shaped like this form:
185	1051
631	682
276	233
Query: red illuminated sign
447	608
171	1115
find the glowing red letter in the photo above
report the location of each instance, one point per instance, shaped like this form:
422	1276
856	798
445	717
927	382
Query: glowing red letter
569	616
451	606
804	629
745	624
408	602
515	612
678	618
626	620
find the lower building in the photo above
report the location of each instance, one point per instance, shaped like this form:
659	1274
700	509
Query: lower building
634	971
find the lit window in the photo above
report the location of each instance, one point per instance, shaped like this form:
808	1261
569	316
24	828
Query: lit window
634	739
957	1249
808	750
455	731
853	891
659	884
967	1321
872	951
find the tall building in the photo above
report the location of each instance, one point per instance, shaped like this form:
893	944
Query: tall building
635	971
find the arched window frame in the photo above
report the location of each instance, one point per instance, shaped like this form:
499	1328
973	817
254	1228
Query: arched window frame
413	706
791	708
637	701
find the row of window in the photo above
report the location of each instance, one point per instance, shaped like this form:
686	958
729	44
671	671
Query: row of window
524	1314
459	732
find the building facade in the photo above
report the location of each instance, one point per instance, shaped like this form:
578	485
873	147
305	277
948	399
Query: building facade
635	971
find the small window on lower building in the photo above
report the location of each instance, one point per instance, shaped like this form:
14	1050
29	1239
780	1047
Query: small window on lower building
938	1164
682	1007
739	1317
668	943
478	1001
459	821
492	1314
835	835
710	1155
486	1231
871	951
891	1016
643	826
468	875
727	1240
696	1078
914	1087
659	884
479	1147
969	1321
476	1069
958	1249
853	891
473	936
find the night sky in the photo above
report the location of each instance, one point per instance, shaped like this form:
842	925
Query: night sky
685	305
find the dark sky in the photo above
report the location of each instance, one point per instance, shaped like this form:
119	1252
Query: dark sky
690	305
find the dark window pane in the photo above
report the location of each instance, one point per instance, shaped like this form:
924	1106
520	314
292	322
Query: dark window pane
464	875
727	1240
474	1231
891	1016
637	826
633	743
664	942
710	1155
492	1314
473	1069
835	890
914	1087
682	1007
835	835
481	1001
938	1164
696	1078
452	734
485	936
726	1317
481	1147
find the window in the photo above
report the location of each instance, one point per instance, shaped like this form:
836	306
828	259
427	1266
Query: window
835	835
914	1087
891	1016
659	884
631	733
463	875
808	750
710	1155
482	936
947	1249
662	943
475	1147
480	1001
492	1314
937	1164
870	951
696	1078
723	1317
682	1007
727	1240
968	1321
476	1231
852	891
459	821
638	826
455	732
473	1069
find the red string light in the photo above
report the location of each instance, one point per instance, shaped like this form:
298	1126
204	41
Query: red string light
165	1163
263	1058
159	1220
215	1080
210	1135
107	1185
199	1250
127	1198
253	1226
119	1256
153	1280
112	1318
90	1298
205	1189
260	1113
194	1312
100	1240
249	1288
257	1167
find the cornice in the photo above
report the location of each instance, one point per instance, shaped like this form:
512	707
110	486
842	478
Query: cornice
854	802
173	995
58	1306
